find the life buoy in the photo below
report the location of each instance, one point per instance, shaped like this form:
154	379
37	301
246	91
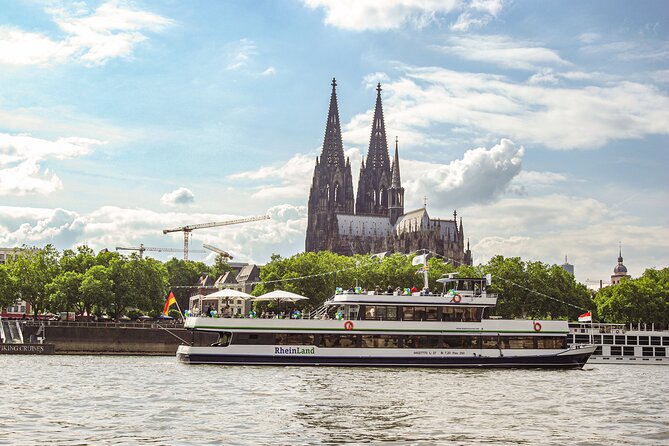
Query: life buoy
537	326
456	298
348	325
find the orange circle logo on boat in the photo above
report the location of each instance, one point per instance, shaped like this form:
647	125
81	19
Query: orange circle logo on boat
348	325
457	298
537	326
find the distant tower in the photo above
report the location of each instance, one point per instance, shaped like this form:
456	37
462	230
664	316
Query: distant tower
620	270
396	191
568	266
375	175
332	185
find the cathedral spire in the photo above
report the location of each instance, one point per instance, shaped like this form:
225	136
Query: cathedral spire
333	149
395	178
377	157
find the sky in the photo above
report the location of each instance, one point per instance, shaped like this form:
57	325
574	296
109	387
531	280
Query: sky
544	124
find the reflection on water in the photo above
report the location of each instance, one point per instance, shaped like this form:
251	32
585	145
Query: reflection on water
74	400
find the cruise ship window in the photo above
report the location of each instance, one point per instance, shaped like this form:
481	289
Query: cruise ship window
628	351
620	340
489	342
643	340
616	351
582	339
631	340
655	340
608	339
647	351
598	351
420	313
597	339
551	342
407	313
431	313
370	312
660	351
521	342
391	313
665	341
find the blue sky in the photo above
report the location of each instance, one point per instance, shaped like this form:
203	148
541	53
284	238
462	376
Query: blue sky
545	124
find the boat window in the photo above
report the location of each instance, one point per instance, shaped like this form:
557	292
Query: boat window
391	313
655	340
460	341
620	340
628	351
379	341
489	342
338	341
608	339
582	339
293	339
643	340
421	341
431	313
647	351
598	351
420	314
551	342
665	341
660	351
616	351
522	342
407	314
253	338
631	340
597	339
370	312
223	340
381	313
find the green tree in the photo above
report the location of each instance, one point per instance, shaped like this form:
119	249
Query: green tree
220	267
645	299
8	291
96	288
64	291
32	271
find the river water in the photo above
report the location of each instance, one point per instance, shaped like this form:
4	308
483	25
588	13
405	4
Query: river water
79	400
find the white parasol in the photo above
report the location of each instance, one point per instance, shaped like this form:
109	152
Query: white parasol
279	296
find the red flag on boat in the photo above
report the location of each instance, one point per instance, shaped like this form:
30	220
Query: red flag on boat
585	317
171	300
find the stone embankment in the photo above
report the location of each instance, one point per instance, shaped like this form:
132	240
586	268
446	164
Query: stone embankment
107	338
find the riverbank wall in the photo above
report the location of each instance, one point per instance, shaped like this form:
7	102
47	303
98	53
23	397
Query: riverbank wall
83	338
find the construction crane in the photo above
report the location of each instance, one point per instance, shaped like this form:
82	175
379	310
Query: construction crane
189	228
217	250
141	248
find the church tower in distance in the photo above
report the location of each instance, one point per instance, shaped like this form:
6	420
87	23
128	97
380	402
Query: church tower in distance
332	186
396	191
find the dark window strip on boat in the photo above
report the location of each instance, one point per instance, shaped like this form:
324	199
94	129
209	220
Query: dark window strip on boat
402	341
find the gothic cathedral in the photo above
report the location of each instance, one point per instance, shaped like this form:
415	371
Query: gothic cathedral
374	221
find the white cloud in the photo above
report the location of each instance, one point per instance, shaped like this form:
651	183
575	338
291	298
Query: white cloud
361	15
20	155
92	37
291	179
502	51
111	226
241	53
177	197
270	71
479	177
424	100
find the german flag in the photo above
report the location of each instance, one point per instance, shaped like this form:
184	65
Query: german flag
171	300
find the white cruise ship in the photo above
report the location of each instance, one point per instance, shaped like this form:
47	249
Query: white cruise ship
622	344
450	329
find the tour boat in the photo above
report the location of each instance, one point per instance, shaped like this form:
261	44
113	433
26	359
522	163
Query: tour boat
622	344
354	328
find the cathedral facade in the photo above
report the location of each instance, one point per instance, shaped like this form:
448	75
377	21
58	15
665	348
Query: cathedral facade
373	219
